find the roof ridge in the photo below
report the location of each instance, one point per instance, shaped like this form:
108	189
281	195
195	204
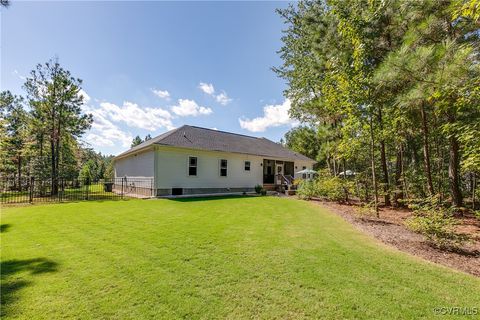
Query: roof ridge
149	142
236	134
168	133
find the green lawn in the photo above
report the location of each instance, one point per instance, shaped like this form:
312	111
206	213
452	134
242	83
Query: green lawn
236	258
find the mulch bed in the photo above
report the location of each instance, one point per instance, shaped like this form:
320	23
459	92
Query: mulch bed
390	229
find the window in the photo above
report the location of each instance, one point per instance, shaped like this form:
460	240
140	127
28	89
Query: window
192	166
223	168
304	176
247	165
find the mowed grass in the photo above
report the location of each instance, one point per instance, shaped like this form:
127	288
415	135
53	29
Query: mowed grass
234	258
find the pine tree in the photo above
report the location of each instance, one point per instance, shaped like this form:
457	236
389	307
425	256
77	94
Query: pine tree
55	101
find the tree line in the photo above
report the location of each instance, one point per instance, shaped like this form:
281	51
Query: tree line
390	90
40	132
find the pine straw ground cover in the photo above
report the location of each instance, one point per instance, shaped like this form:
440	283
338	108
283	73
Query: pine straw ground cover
390	228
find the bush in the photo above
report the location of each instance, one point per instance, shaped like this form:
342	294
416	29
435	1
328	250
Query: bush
477	214
258	188
437	224
307	189
85	174
326	186
263	192
297	181
331	188
367	209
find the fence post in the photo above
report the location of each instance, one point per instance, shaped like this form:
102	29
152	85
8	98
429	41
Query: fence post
59	191
87	185
32	181
122	186
62	189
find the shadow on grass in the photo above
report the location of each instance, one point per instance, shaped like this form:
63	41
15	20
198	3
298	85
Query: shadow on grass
4	227
209	198
11	283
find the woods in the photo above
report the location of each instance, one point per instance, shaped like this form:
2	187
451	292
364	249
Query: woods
392	91
41	132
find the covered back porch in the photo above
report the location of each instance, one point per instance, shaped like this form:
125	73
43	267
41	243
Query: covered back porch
278	175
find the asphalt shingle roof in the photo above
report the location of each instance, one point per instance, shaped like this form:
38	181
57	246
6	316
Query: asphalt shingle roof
213	140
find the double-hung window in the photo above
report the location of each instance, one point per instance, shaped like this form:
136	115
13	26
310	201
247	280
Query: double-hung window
223	168
192	166
247	165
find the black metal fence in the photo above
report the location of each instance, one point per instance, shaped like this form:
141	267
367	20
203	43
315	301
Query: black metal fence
29	189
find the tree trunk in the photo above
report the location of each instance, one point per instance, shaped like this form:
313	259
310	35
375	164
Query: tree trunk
474	184
404	178
53	171
53	159
386	188
426	151
383	160
19	170
334	167
58	145
453	172
328	163
398	177
374	180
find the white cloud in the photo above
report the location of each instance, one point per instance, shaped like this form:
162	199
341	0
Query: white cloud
104	133
207	88
135	116
223	99
164	94
98	140
188	107
273	116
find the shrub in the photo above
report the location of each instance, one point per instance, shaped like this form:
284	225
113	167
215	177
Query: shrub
85	174
367	209
326	186
297	181
263	192
437	224
477	214
307	189
331	188
258	188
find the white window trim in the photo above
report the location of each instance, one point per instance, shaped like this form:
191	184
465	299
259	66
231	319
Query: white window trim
250	167
188	167
220	168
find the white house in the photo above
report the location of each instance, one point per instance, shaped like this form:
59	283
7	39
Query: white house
194	160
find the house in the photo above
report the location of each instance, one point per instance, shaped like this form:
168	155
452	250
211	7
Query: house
192	160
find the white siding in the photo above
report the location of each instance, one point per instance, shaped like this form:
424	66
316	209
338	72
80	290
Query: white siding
172	169
137	165
169	167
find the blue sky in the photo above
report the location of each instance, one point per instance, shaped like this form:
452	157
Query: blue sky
151	66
